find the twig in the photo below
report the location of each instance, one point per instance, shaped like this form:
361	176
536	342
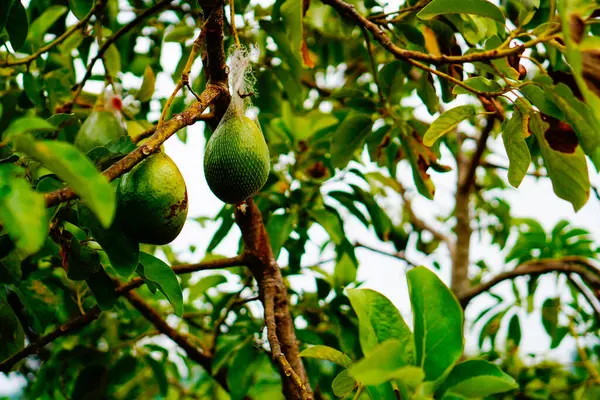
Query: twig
236	39
469	177
350	12
569	265
585	361
192	114
63	330
373	66
83	320
116	36
182	341
398	255
44	49
584	292
185	78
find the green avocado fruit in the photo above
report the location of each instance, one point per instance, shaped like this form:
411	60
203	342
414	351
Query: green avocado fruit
99	128
152	201
236	160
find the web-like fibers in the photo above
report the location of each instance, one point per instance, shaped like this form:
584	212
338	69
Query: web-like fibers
241	80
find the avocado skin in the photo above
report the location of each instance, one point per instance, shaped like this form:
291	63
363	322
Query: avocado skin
152	201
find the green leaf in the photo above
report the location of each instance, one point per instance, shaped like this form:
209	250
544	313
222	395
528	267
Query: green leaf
343	384
279	228
70	165
447	122
226	214
427	93
147	89
378	321
476	7
200	287
387	361
349	137
514	330
180	34
477	378
344	272
12	335
291	14
83	261
550	310
568	170
22	211
327	353
122	252
4	12
160	375
438	323
17	25
513	135
478	83
80	8
330	222
44	22
419	157
112	60
27	124
159	273
103	288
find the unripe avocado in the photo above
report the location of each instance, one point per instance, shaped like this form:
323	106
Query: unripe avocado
99	128
236	160
152	202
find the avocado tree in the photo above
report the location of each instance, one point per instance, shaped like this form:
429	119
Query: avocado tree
319	116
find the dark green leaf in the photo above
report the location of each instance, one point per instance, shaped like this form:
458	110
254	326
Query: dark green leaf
478	83
17	25
160	375
12	336
103	288
44	22
330	222
83	261
81	7
349	137
279	228
122	251
162	275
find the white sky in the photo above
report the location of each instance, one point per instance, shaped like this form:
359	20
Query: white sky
534	199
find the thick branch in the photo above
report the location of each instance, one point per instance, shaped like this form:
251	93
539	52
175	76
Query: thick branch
568	265
83	320
350	12
273	294
192	114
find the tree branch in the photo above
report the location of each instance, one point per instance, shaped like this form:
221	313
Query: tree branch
190	349
192	114
273	294
116	36
469	177
44	49
568	265
350	12
83	320
398	255
63	330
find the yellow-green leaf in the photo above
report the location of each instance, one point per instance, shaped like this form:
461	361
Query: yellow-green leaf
513	135
476	7
147	88
447	122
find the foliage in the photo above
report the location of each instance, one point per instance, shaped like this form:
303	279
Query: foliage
349	97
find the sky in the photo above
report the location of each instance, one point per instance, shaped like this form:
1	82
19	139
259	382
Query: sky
534	199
